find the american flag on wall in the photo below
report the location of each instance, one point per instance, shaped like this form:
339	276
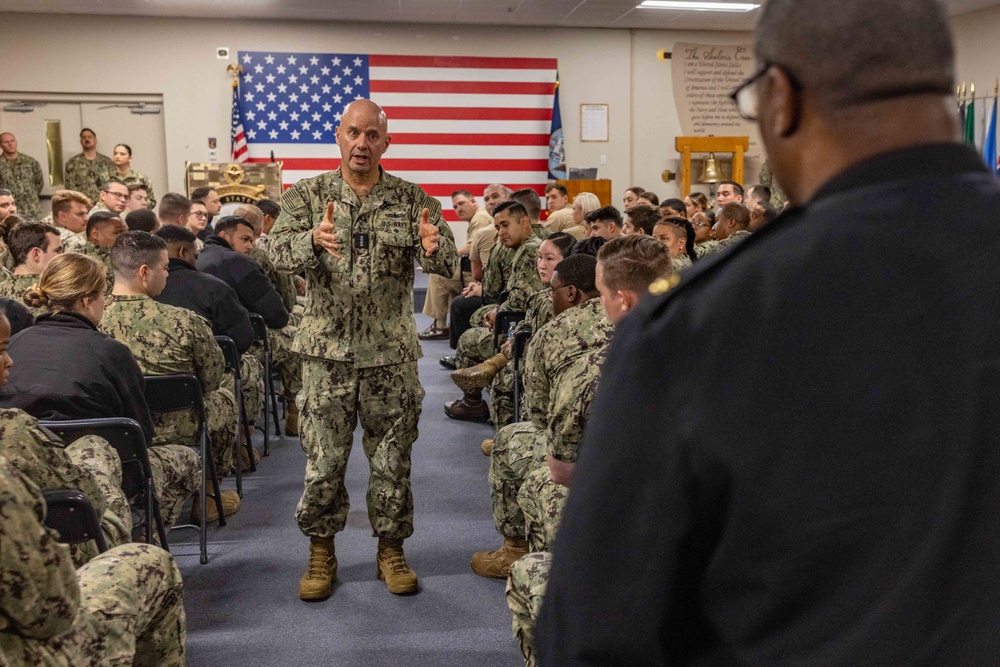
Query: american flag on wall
457	123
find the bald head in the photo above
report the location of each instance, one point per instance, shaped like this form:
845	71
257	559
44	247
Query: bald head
870	63
363	137
494	194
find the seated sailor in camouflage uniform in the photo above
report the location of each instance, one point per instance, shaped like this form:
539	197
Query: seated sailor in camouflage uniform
626	268
579	326
166	340
731	227
124	607
103	228
66	369
476	345
32	245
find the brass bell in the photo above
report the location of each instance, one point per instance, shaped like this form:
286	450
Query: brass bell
711	171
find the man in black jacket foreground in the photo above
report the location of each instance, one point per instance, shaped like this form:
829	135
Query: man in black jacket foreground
818	483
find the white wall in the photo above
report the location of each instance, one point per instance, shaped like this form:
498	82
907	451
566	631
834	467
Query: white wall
977	49
176	58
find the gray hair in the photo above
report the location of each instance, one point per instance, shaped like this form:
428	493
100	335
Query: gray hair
849	52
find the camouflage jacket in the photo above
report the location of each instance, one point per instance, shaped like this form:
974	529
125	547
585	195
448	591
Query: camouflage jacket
709	247
778	198
570	399
12	286
99	206
680	262
541	231
523	280
570	334
283	283
71	241
87	176
41	456
23	177
39	594
359	309
496	271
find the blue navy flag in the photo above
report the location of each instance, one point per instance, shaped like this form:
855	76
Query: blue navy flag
557	146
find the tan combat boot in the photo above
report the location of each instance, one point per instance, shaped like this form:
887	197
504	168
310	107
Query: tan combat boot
291	418
392	568
487	446
230	506
315	584
479	377
496	564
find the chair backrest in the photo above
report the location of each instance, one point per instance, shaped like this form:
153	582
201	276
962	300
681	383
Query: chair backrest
521	339
230	352
171	393
124	435
70	513
502	325
259	328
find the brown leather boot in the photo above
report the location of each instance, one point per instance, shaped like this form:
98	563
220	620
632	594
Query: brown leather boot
479	377
471	407
391	567
321	571
291	418
487	446
496	564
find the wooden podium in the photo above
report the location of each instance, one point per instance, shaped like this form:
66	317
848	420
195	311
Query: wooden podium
688	145
600	187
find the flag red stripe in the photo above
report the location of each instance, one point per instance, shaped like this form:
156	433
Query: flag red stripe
472	139
464	87
445	189
465	113
416	164
462	61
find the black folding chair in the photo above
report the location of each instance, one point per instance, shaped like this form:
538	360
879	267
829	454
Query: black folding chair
232	357
464	266
70	513
521	339
128	440
260	334
501	327
172	393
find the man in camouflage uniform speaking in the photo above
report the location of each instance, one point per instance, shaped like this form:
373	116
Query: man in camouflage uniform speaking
356	232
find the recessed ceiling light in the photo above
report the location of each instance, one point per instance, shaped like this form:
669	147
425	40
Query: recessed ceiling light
698	6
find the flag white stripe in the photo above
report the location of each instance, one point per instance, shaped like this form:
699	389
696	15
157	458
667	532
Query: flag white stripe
452	100
462	74
470	126
406	151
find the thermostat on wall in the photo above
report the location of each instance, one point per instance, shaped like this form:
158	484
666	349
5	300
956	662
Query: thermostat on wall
222	53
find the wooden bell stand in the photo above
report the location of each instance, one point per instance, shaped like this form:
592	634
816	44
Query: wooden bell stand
688	145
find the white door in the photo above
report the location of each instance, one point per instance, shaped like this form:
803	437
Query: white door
143	133
30	130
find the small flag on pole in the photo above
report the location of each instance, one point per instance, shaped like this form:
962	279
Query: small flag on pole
239	140
990	140
557	147
970	117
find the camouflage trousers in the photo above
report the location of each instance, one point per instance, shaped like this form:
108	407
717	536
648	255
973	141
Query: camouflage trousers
525	590
288	363
176	475
101	460
388	399
478	317
502	397
474	347
131	613
252	375
220	410
542	501
518	449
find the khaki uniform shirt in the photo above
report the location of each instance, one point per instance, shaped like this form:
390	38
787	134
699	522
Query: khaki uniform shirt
561	220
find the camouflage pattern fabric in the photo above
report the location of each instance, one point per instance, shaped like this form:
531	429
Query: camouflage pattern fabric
97	208
90	465
87	176
283	283
166	340
252	375
72	242
518	449
709	247
680	262
475	346
569	335
124	607
540	231
286	360
525	591
102	255
134	176
24	178
389	408
523	280
176	474
13	286
542	501
502	387
497	270
778	198
359	309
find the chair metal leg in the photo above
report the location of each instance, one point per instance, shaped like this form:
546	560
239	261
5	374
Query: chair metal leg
274	398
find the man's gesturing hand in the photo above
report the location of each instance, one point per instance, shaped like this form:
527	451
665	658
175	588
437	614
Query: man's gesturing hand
323	236
428	233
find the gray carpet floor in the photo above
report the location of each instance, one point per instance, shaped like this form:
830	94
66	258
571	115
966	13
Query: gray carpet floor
243	606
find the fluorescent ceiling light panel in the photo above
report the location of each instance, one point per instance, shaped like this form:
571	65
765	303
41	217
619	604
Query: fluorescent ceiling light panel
697	6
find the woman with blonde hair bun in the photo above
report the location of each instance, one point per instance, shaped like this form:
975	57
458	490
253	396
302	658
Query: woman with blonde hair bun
65	368
583	203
